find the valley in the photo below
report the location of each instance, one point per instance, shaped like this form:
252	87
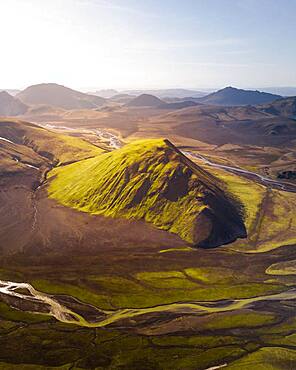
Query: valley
148	185
129	243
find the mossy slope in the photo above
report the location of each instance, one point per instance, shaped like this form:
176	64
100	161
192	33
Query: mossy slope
53	146
154	181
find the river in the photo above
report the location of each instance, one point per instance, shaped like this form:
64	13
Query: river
67	315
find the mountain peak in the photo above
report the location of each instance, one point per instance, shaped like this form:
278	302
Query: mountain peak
10	105
233	96
145	100
152	180
59	96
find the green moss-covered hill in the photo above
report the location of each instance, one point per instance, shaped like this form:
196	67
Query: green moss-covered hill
154	181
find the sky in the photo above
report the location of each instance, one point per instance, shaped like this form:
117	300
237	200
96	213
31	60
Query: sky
124	44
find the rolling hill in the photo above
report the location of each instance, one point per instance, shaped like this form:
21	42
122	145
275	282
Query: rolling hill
233	96
242	125
59	96
145	100
11	106
178	105
122	98
16	137
152	180
285	107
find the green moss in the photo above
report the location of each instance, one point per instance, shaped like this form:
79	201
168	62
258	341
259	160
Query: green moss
247	191
282	268
182	249
212	275
61	148
7	366
271	358
146	180
85	295
44	346
289	340
10	314
115	284
166	280
172	358
247	319
269	214
200	341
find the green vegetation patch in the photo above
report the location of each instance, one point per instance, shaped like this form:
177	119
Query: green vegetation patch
200	341
269	214
166	279
81	293
267	358
115	284
10	314
245	319
150	180
182	249
282	268
248	192
61	148
213	275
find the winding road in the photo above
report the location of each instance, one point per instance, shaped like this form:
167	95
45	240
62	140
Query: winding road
289	187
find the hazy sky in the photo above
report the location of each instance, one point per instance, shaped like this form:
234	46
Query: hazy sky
148	43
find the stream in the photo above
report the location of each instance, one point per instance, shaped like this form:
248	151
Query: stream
54	308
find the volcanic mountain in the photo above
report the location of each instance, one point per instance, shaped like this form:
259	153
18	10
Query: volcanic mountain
59	96
232	96
11	106
153	181
145	100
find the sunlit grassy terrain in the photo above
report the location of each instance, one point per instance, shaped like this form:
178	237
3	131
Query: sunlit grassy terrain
153	181
175	308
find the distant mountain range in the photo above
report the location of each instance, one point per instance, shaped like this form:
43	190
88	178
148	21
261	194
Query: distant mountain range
231	96
145	100
228	96
104	93
122	98
59	96
11	92
151	101
168	93
11	106
284	91
51	94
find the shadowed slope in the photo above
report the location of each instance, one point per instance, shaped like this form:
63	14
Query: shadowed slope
232	96
154	181
11	106
285	107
